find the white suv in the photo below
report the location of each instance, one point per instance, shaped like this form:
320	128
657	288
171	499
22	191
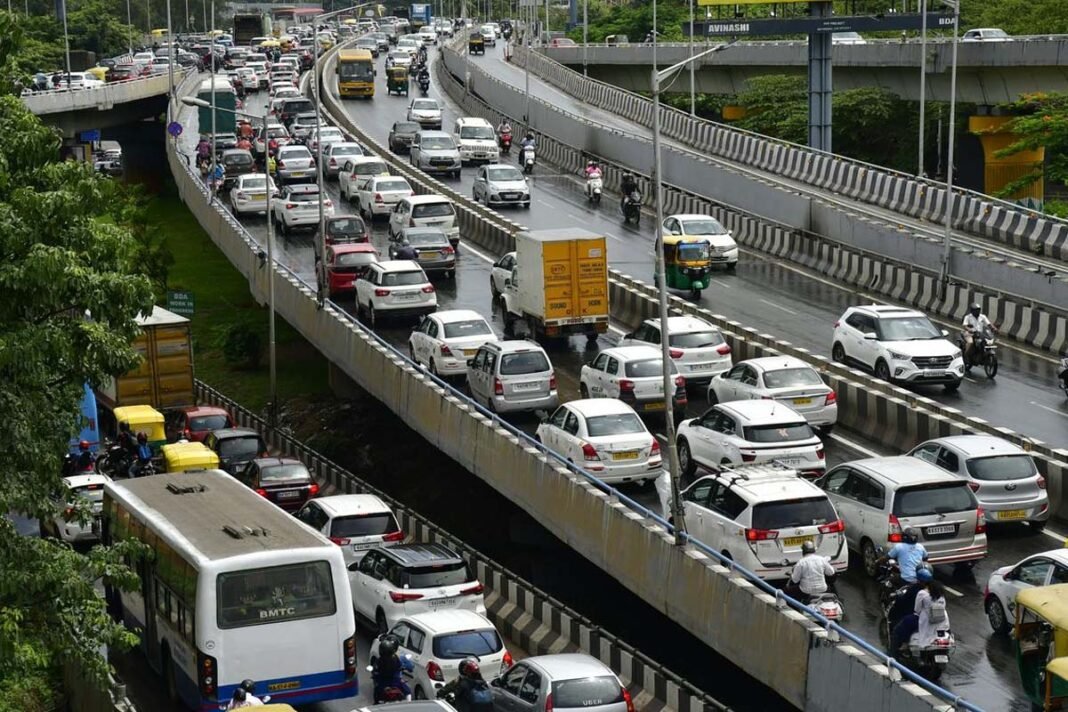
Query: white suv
477	140
698	348
355	522
761	515
298	207
394	288
898	345
88	487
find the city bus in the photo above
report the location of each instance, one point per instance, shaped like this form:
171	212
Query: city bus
355	73
232	588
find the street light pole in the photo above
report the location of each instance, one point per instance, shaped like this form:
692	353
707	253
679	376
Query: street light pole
321	247
170	63
585	34
946	247
129	26
693	69
923	82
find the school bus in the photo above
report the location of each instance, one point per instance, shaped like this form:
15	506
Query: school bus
355	73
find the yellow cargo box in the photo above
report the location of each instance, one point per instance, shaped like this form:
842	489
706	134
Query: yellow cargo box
183	456
164	377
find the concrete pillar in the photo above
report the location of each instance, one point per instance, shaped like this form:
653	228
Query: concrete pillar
1000	171
820	86
341	384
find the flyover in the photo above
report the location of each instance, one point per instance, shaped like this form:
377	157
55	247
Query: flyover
989	73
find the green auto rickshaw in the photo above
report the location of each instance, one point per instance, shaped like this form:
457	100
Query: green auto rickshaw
397	81
687	262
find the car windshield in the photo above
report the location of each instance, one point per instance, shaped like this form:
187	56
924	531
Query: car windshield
420	238
94	494
364	525
257	183
614	424
345	151
436	143
406	128
787	377
433	210
481	132
995	33
788	513
355	259
504	174
1002	467
694	251
308	197
909	328
399	279
424	104
347	226
647	368
524	362
391	185
704	226
277	132
329	134
237	159
208	422
696	339
293	107
927	500
275	473
586	692
787	432
435	576
453	646
296	152
461	329
240	447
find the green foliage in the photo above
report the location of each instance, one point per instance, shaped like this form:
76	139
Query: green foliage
1043	122
776	105
634	20
242	346
1017	17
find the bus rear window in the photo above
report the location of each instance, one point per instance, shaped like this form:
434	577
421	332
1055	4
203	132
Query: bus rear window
275	594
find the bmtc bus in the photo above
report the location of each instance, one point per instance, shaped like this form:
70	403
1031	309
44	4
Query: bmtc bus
355	73
232	588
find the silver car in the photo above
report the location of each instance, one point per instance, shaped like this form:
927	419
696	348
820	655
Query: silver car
499	184
435	152
335	155
294	165
569	681
432	244
512	376
425	112
1003	476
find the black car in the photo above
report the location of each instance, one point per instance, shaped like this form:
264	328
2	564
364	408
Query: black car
282	480
401	135
346	228
236	162
236	447
291	107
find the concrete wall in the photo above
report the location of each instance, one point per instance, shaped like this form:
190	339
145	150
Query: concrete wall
100	98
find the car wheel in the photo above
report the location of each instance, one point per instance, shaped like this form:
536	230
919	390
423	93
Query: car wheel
418	693
713	399
584	392
381	624
995	613
411	355
371	318
869	557
496	293
434	368
838	353
882	371
686	464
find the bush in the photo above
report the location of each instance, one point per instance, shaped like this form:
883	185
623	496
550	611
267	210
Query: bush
242	346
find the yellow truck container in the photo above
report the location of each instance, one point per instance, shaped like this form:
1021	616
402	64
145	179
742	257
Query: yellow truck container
164	378
559	285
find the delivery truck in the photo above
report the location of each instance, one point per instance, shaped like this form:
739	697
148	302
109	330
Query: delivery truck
559	284
249	25
164	377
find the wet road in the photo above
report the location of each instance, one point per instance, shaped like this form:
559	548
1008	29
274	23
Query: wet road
983	668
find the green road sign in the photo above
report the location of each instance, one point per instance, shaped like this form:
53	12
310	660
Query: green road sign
181	303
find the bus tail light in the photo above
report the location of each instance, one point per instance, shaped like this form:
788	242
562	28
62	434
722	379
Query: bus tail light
206	674
349	650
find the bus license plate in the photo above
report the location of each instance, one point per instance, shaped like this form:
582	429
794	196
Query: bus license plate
277	686
796	540
1012	514
628	455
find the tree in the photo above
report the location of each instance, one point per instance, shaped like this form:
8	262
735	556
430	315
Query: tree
776	105
1017	17
1042	123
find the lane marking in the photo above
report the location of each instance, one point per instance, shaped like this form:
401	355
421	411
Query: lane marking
1051	410
1055	535
953	592
779	306
854	445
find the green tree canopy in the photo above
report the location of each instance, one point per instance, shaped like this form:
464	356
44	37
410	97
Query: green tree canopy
1042	123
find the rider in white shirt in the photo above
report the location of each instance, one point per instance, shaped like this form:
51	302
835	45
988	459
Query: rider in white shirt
976	324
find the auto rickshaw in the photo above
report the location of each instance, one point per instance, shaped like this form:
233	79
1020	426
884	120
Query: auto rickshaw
186	455
476	44
688	263
397	80
146	419
1040	638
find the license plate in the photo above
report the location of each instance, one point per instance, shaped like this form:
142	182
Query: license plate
361	547
276	686
802	401
289	494
510	196
405	296
941	659
628	455
935	372
655	405
1013	514
789	461
944	529
259	196
796	540
426	256
528	386
442	602
470	352
297	174
701	367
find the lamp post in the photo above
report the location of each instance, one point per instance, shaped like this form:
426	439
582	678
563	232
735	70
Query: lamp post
585	34
271	355
693	69
129	24
665	354
170	63
946	247
923	82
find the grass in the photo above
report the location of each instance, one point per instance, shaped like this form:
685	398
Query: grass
222	299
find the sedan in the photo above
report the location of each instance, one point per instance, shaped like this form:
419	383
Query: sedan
785	379
379	194
498	184
294	163
445	340
999	599
697	347
436	253
399	58
724	248
326	135
249	194
634	375
281	480
426	113
605	437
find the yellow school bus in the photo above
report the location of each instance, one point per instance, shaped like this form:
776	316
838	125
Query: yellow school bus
355	73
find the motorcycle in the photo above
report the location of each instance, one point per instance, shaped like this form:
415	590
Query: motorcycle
115	462
424	86
929	660
594	186
986	349
394	692
632	208
527	159
1063	375
505	142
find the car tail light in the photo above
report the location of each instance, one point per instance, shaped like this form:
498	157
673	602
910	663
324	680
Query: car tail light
748	456
552	387
261	492
626	386
974	486
433	671
507	660
1041	482
654	449
820	454
498	387
832	398
428	289
589	453
723	349
349	650
381	292
290	206
394	536
835	527
447	250
894	536
627	698
402	597
445	350
240	195
675	353
837	323
340	541
333	162
475	590
206	674
378	198
313	489
980	520
761	534
549	702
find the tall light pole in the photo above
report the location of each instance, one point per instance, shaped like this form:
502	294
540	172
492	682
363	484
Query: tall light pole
66	40
693	69
526	67
585	34
170	63
946	247
923	82
129	26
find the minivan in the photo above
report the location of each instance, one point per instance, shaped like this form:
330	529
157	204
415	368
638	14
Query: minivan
879	497
512	376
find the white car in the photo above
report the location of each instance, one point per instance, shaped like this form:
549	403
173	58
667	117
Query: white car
986	34
698	348
437	641
899	345
634	375
435	152
784	379
298	206
425	210
724	249
499	184
249	78
489	35
1045	569
445	340
848	38
501	270
605	437
405	580
88	487
326	135
377	195
357	523
750	431
425	112
276	133
336	154
394	288
249	194
429	35
399	58
285	92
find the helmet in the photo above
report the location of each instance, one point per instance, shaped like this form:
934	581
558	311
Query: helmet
240	695
248	686
910	535
83	445
468	667
975	309
530	135
387	646
923	575
141	437
808	547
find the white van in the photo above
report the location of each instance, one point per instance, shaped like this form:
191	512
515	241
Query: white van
477	140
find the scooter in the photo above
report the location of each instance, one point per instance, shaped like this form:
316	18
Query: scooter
527	159
632	208
929	660
505	142
1063	375
594	186
828	605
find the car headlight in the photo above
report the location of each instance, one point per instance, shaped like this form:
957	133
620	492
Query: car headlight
898	356
956	355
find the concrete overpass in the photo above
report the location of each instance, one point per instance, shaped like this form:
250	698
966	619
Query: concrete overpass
988	72
111	105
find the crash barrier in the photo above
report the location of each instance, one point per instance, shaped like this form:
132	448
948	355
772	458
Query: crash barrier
533	619
82	694
1029	289
885	412
719	602
101	98
921	198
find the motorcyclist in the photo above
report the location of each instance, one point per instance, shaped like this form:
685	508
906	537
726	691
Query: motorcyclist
470	691
592	170
909	555
424	76
143	455
528	142
125	438
975	325
928	604
85	459
249	688
809	577
243	698
203	150
627	185
245	143
405	251
218	175
387	669
245	131
504	135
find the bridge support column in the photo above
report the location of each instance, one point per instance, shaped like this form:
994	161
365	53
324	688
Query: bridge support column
143	152
999	172
820	86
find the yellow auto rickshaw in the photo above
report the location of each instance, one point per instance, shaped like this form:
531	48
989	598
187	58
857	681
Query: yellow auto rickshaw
397	80
687	262
185	455
1040	639
146	419
476	43
100	73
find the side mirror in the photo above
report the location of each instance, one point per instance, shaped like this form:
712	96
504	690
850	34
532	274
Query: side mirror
470	363
945	333
508	281
869	336
495	682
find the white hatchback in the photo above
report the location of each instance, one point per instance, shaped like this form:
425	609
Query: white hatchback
724	248
355	522
697	347
89	488
397	288
605	437
634	375
784	379
378	195
445	340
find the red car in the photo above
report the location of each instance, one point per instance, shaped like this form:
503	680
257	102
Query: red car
346	262
195	422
